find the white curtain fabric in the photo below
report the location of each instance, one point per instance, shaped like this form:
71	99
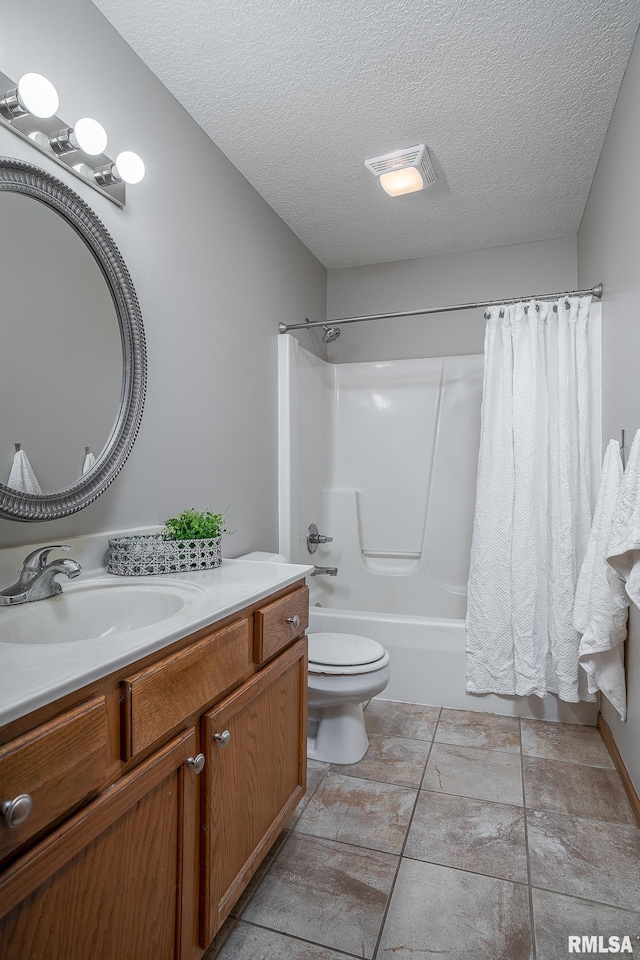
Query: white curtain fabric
533	513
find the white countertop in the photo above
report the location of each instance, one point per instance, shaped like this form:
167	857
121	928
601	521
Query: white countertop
34	674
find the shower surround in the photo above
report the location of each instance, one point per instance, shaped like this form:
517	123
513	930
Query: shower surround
383	457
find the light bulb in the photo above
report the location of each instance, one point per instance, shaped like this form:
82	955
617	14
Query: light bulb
129	167
40	138
90	136
37	95
84	170
397	182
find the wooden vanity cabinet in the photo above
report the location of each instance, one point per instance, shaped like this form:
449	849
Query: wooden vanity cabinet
149	864
254	776
118	879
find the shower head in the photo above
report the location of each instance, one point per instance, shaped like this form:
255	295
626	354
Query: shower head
330	333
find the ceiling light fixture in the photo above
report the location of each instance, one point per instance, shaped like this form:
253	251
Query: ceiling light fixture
403	171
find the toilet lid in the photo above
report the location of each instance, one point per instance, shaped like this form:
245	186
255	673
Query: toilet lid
343	650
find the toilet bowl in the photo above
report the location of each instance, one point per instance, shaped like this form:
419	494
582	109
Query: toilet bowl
345	671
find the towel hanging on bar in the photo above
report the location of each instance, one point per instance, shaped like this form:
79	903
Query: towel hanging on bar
89	461
22	477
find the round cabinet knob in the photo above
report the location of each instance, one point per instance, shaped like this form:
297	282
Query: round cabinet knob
222	738
294	620
196	763
16	811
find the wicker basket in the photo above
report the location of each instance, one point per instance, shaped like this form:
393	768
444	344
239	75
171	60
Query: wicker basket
143	556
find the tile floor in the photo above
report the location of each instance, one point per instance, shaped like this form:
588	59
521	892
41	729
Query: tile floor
459	835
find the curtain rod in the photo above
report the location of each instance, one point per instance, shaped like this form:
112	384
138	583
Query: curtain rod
595	292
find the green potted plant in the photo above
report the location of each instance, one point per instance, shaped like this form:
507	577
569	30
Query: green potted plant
195	525
190	541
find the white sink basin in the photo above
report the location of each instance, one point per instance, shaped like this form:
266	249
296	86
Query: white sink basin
98	608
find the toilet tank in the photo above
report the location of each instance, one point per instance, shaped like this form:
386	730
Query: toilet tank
260	556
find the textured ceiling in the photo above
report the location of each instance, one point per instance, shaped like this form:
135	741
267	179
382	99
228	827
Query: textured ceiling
512	97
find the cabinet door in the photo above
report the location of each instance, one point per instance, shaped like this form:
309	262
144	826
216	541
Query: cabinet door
254	777
117	881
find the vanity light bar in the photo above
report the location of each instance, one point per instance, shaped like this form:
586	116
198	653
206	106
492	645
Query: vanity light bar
28	109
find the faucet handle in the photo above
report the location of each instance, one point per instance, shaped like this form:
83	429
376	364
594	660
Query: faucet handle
314	537
37	560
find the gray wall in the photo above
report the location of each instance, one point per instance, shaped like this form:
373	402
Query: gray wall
215	270
609	250
546	266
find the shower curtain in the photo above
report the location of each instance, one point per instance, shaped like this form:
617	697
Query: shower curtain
533	513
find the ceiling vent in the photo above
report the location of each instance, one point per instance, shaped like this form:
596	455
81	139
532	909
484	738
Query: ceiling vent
403	171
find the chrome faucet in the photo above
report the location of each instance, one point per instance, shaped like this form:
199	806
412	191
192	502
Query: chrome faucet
37	577
325	571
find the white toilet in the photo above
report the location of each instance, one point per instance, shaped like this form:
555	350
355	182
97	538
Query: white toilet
345	670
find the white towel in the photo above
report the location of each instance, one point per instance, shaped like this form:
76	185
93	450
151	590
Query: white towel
22	477
89	462
623	552
596	614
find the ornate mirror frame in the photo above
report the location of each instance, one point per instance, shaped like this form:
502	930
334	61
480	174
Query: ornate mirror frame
19	177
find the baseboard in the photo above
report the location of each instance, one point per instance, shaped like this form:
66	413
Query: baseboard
611	746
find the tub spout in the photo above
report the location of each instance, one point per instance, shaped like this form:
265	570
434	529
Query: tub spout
325	571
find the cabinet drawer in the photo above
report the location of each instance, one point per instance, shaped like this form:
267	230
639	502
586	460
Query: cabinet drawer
273	629
159	698
57	765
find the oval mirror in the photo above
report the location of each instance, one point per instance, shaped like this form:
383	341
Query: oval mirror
73	360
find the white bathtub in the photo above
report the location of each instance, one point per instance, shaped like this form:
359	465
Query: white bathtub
428	665
401	538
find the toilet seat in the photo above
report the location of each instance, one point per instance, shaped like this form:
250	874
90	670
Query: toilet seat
345	654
